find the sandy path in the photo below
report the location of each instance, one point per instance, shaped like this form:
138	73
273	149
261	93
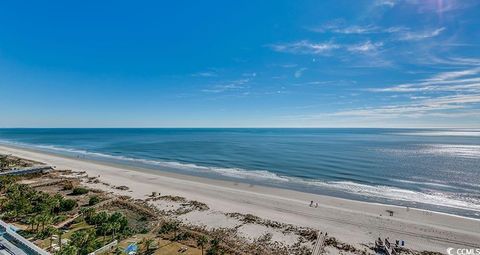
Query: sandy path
350	221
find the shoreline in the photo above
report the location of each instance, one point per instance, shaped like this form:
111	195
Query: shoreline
351	221
350	190
225	183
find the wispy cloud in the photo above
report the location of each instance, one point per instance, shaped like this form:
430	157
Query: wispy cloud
299	72
254	74
340	28
420	108
389	3
356	29
465	85
205	74
364	47
419	35
305	47
327	82
427	6
450	61
401	33
454	74
289	65
452	81
441	6
445	94
228	86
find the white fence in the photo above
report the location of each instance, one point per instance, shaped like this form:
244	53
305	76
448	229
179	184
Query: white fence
105	248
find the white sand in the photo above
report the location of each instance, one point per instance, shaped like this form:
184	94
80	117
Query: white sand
350	221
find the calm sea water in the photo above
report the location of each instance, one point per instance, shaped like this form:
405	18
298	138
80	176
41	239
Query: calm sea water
434	169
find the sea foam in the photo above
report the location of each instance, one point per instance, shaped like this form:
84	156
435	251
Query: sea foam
375	191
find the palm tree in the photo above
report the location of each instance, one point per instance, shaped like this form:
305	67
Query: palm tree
80	238
46	218
147	244
175	228
38	219
31	221
69	250
5	182
87	212
201	241
104	229
114	227
55	202
3	162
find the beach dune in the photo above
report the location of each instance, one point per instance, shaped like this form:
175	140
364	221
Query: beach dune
350	221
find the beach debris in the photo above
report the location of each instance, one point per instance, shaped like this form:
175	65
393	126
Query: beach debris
123	187
172	198
308	234
196	205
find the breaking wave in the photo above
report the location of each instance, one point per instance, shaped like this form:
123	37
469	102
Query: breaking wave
375	191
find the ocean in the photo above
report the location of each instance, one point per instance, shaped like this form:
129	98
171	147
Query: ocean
435	169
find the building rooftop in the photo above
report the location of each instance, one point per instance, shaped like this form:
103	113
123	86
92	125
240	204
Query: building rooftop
13	243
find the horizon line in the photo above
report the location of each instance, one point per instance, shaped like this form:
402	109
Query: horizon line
333	127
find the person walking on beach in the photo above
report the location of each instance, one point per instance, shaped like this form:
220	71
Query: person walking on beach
311	203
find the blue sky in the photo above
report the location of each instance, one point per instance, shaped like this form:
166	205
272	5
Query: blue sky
383	63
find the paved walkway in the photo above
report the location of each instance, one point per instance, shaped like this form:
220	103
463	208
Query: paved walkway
27	170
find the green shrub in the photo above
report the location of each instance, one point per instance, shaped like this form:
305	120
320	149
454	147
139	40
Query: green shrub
79	191
168	227
59	218
97	218
93	200
144	231
67	205
183	236
47	232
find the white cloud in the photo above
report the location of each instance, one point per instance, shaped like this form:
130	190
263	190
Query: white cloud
299	72
339	27
453	81
205	74
441	6
389	3
401	33
450	61
445	94
289	65
364	47
454	74
421	35
232	85
305	47
369	29
418	108
356	29
249	74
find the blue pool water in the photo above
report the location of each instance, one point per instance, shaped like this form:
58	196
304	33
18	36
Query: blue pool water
427	168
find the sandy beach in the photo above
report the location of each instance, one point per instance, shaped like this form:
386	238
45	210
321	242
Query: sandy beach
350	221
